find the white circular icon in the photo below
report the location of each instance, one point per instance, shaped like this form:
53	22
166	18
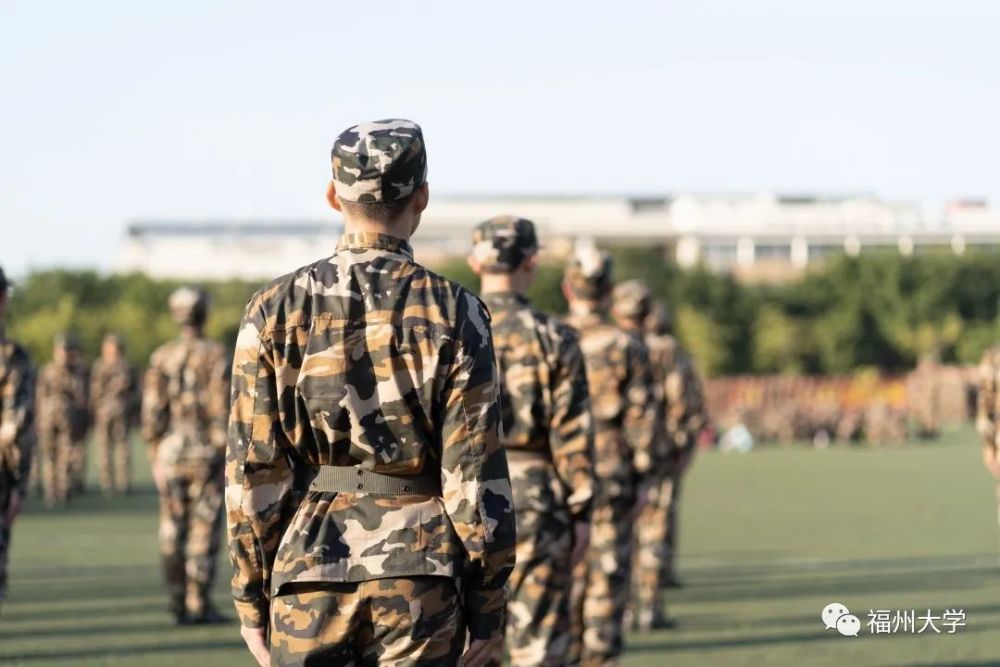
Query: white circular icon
849	625
831	613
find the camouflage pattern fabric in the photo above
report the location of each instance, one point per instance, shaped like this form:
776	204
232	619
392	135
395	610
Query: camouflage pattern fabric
626	405
63	416
17	435
184	415
114	398
502	244
366	358
394	622
548	433
988	405
379	161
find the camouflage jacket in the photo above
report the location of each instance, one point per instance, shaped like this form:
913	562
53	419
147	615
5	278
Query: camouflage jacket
61	397
366	358
625	401
185	406
17	398
113	390
545	398
988	397
684	417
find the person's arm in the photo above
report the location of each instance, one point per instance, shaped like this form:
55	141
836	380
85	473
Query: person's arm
474	476
572	428
986	414
17	422
218	399
155	406
258	476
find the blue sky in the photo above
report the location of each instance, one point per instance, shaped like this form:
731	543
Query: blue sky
120	110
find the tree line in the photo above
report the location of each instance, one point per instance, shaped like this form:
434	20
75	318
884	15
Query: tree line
876	311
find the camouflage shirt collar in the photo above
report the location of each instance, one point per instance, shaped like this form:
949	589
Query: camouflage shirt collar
375	241
498	300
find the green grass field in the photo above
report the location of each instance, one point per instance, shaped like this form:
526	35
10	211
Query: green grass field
768	539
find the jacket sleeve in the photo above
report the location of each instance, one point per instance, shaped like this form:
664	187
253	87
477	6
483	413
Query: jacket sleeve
155	404
17	432
218	399
643	422
572	428
986	400
474	476
258	476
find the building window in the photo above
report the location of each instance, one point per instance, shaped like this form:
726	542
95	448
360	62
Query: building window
719	255
771	252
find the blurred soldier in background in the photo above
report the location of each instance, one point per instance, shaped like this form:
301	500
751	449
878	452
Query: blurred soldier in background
625	404
63	416
184	415
369	504
686	418
16	430
631	304
114	400
548	435
988	414
924	395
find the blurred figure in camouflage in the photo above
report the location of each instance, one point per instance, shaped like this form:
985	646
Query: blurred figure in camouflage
625	405
369	504
686	418
16	430
924	395
184	416
114	402
988	414
63	418
548	435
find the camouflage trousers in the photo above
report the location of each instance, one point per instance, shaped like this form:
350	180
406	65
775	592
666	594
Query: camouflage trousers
398	622
672	519
649	553
537	631
190	527
61	463
601	586
5	492
114	453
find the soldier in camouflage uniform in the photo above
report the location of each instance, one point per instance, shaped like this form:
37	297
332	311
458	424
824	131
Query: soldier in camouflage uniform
16	431
680	391
625	403
63	417
988	414
369	504
114	399
548	435
184	415
686	418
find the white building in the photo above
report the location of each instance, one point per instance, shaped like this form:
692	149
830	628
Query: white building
762	236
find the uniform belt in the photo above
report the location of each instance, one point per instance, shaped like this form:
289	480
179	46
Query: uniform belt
352	479
528	455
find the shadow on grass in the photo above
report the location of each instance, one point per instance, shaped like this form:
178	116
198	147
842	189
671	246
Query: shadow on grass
117	651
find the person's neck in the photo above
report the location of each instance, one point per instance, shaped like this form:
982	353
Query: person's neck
582	307
399	228
628	325
502	283
190	332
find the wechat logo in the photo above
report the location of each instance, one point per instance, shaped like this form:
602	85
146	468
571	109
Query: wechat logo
836	616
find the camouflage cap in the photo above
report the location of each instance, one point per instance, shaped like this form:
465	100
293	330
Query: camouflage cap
383	160
659	320
631	299
501	244
588	274
68	340
189	305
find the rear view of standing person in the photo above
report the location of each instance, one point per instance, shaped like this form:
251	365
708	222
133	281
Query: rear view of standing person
17	432
369	504
548	435
63	417
114	399
184	415
625	404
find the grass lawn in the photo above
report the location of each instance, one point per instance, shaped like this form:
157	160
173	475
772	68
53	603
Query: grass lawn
768	539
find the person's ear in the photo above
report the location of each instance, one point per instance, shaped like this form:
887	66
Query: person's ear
532	262
474	264
567	294
331	196
421	199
